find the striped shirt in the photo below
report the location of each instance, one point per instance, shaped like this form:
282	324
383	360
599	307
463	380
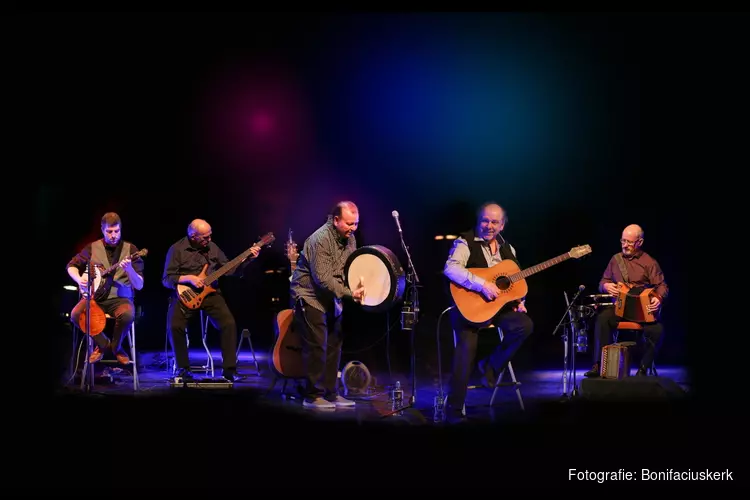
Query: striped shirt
319	276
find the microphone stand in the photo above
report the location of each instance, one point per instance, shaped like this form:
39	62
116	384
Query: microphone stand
567	344
87	374
409	320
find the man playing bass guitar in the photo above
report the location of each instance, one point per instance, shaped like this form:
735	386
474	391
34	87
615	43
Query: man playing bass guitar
185	264
117	290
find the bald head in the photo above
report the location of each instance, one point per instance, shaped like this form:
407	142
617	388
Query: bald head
198	226
199	232
633	231
631	239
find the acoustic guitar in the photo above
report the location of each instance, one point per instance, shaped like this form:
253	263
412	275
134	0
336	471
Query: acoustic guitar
287	350
510	280
99	287
192	297
632	303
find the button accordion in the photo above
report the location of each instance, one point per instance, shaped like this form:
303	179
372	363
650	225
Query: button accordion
615	362
632	303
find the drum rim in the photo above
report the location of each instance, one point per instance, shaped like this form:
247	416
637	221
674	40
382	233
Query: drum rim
398	282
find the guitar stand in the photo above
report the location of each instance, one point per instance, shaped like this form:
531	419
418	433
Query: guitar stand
246	335
284	394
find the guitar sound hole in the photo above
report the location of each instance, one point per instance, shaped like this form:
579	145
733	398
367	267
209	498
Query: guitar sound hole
503	283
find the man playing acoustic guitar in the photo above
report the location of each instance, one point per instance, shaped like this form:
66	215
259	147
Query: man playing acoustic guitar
636	267
116	292
482	247
184	263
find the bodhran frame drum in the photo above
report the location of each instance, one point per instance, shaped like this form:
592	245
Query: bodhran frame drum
384	278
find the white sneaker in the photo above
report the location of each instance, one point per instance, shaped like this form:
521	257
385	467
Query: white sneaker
318	403
342	402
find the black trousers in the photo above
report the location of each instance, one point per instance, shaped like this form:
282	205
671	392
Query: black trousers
606	324
121	309
516	328
322	339
221	317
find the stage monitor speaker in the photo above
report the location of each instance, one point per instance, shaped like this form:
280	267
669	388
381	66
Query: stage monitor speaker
631	389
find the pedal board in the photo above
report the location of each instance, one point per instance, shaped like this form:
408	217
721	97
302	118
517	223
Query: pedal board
201	383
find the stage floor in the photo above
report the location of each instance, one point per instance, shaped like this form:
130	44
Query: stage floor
538	388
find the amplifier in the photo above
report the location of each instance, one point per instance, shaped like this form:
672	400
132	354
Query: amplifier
615	363
205	383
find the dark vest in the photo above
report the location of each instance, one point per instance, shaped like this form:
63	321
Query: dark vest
121	286
476	256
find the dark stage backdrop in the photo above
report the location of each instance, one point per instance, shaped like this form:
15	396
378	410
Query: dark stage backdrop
261	123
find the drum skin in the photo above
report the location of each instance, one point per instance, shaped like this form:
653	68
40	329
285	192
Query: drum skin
382	274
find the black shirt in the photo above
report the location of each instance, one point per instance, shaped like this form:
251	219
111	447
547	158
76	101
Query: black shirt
184	258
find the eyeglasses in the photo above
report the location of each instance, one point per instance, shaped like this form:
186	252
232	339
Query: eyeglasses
628	242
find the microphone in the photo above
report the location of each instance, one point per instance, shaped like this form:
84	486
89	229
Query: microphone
581	288
395	216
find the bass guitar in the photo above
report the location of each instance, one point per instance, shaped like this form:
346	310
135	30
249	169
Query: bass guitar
287	350
101	289
510	280
192	297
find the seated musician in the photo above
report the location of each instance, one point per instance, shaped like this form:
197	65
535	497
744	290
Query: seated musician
484	247
641	270
118	302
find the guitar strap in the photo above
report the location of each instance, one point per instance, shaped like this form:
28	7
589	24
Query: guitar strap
623	268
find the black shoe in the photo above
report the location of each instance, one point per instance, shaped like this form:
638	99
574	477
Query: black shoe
642	372
594	372
231	376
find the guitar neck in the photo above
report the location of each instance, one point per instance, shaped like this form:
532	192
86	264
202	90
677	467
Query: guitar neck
227	267
114	267
539	267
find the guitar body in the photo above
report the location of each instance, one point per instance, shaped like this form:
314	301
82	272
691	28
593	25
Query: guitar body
474	307
632	303
98	319
287	358
192	297
95	284
287	351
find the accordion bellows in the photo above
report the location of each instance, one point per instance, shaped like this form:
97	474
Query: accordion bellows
615	363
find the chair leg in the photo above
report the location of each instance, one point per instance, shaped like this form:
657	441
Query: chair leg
516	383
204	330
246	335
131	338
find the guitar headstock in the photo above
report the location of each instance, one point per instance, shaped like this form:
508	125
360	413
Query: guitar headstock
140	253
267	239
580	251
290	248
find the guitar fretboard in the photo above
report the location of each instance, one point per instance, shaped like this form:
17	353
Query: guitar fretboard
227	267
539	267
